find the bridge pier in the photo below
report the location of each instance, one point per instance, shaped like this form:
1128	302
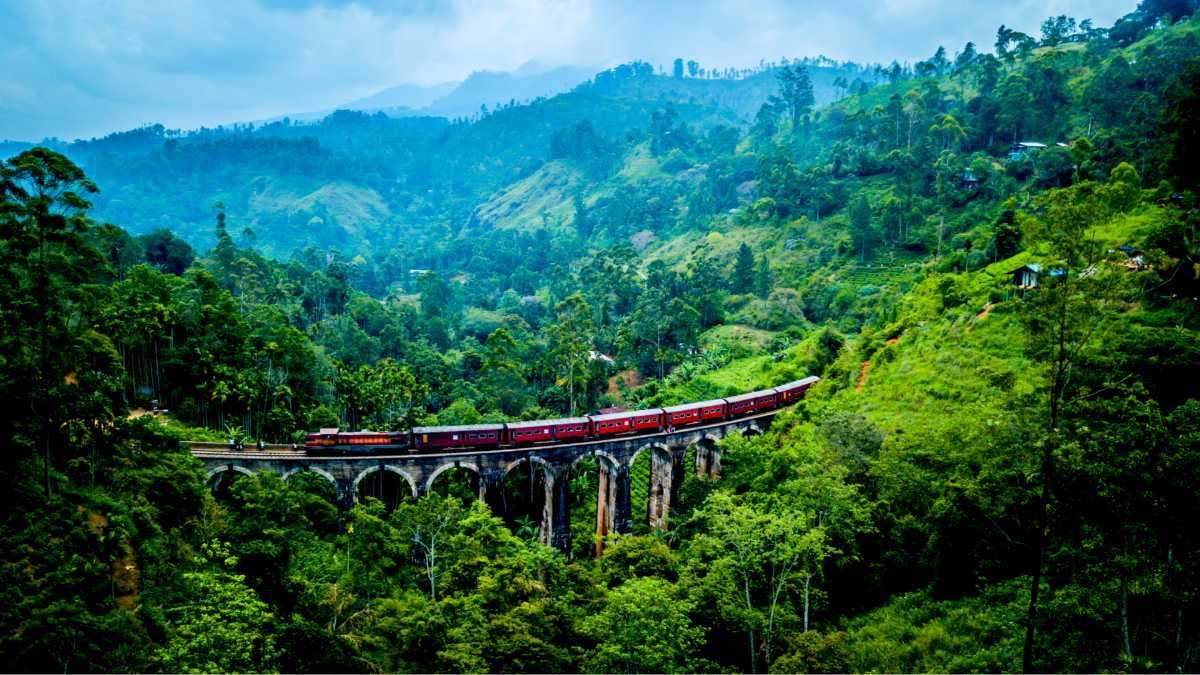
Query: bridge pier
556	509
661	489
622	507
708	460
605	505
491	491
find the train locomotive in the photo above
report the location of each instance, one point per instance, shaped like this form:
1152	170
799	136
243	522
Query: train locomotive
564	430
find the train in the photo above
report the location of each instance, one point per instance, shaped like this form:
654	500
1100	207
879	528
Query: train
565	430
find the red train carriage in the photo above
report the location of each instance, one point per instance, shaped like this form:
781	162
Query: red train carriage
611	424
647	420
524	433
755	401
571	428
627	422
794	391
695	413
469	436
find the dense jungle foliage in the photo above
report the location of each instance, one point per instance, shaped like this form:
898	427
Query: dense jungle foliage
988	477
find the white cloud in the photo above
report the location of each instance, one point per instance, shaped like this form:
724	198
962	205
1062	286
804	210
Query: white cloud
88	67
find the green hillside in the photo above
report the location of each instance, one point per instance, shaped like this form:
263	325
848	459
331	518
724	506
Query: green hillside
991	260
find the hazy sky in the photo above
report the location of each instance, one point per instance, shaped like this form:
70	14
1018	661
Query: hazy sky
78	68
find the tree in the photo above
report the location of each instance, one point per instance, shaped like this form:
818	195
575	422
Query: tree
221	627
225	251
796	90
572	340
692	68
861	230
677	70
771	550
44	259
1057	29
763	278
966	58
1063	322
583	224
743	270
167	252
643	627
435	294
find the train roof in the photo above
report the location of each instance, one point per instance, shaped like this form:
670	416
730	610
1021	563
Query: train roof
542	423
689	406
366	432
799	383
623	415
750	396
465	427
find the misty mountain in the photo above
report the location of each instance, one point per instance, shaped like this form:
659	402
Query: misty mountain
487	88
411	96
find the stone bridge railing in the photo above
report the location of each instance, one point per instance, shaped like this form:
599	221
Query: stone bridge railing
614	508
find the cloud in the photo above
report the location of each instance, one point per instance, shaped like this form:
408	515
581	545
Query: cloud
88	67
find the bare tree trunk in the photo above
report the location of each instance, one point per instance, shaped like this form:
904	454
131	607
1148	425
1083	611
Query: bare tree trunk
1125	621
753	646
807	584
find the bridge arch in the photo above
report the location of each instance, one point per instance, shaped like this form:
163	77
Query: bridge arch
443	468
600	456
652	447
752	429
532	459
412	484
314	469
227	467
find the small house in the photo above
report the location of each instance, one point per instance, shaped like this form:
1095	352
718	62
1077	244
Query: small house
1026	276
968	180
1024	149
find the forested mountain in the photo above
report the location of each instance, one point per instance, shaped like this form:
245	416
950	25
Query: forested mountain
364	182
992	475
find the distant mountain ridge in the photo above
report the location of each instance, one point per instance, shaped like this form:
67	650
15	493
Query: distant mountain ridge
460	161
460	99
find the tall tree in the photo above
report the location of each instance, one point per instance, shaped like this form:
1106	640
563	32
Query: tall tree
44	260
572	341
1064	320
743	270
796	90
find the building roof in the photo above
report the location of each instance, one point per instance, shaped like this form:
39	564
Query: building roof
1032	267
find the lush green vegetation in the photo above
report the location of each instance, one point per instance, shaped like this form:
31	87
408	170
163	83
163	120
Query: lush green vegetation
988	478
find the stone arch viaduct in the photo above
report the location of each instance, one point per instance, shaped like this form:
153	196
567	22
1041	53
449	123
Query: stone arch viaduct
615	457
